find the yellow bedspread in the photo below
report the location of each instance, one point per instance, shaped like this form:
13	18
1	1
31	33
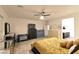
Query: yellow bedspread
49	46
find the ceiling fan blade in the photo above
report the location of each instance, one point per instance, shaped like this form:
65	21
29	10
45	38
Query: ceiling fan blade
42	13
47	14
37	14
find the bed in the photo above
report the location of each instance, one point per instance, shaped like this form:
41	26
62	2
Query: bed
49	46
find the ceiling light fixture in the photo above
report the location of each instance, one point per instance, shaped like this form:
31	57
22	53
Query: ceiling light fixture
41	17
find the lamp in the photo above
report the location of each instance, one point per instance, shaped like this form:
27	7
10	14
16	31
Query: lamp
42	17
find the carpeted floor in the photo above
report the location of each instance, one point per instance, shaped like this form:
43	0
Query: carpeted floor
2	50
24	47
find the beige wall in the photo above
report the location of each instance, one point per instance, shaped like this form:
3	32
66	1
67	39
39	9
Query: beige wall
2	21
19	26
77	26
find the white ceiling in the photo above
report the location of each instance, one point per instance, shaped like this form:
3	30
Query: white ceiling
26	12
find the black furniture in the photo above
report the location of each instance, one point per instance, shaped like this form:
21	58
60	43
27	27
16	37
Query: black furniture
22	37
32	32
8	37
35	51
66	35
7	28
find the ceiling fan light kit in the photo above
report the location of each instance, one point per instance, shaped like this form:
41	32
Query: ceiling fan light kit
41	17
42	14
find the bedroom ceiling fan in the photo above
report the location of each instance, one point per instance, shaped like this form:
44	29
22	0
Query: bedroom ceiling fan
42	14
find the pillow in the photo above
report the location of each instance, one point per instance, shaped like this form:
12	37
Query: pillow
76	42
69	44
63	43
73	49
